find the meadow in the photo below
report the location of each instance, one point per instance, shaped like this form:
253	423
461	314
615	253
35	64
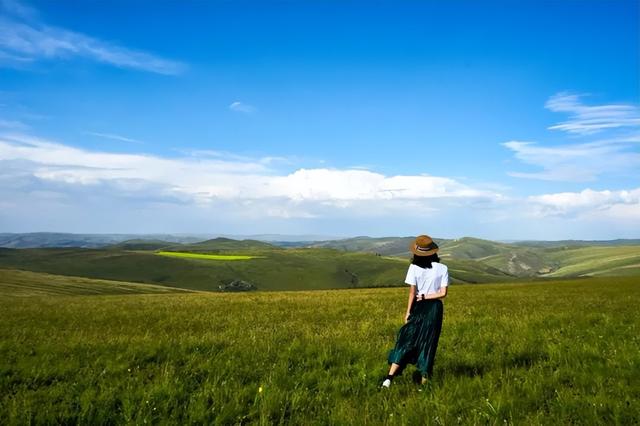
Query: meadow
560	352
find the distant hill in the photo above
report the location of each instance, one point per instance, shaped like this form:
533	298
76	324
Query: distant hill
53	239
621	260
472	248
350	263
478	260
385	246
225	244
57	239
63	239
474	272
276	269
142	244
578	243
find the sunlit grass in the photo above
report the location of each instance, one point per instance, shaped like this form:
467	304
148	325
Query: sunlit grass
564	352
207	256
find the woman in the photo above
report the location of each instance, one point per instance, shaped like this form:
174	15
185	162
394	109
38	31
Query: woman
418	338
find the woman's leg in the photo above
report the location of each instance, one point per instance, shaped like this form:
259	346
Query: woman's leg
403	351
430	343
393	369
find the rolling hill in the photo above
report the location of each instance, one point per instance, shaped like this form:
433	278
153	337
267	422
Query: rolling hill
225	244
351	263
276	269
16	283
472	248
60	239
477	260
386	246
595	261
141	244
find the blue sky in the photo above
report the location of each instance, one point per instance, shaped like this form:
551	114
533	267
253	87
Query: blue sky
499	120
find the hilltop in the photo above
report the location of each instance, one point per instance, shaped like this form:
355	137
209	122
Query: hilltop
225	244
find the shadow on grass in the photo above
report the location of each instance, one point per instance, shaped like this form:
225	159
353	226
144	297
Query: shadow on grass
526	359
466	369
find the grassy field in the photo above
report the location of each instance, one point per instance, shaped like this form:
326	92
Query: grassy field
565	352
623	260
16	283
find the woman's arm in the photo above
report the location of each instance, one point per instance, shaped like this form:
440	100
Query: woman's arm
412	297
441	294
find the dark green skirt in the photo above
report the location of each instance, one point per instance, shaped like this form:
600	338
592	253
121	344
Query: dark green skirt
417	340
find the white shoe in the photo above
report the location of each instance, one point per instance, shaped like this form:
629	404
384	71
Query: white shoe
386	383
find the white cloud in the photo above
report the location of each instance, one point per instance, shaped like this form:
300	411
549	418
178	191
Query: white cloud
624	204
238	106
85	190
114	137
205	180
586	119
25	40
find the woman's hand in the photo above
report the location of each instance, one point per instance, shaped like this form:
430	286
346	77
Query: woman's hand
412	296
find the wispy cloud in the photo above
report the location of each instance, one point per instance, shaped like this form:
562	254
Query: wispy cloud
609	140
238	106
12	124
209	153
585	119
28	40
114	137
19	9
577	162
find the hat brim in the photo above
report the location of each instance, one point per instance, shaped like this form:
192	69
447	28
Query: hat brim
414	249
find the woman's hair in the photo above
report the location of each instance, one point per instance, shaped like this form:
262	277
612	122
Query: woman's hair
425	261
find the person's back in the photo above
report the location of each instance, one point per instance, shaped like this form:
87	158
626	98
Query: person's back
428	280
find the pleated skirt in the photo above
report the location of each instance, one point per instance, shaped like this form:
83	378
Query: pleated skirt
417	340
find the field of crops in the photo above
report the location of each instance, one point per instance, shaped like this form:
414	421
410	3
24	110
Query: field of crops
554	353
188	255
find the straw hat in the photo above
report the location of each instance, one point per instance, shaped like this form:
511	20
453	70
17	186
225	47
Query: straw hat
423	246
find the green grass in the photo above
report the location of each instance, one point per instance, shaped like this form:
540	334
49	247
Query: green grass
207	256
613	260
565	352
15	283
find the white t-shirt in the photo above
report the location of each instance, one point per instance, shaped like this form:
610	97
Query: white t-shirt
428	280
